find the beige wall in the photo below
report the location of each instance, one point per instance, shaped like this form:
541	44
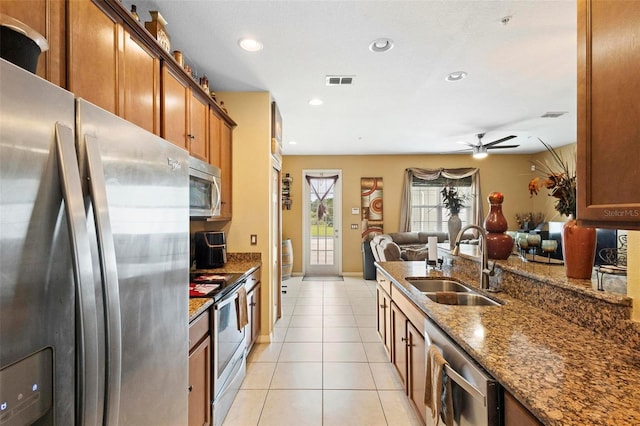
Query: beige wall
252	185
543	202
508	174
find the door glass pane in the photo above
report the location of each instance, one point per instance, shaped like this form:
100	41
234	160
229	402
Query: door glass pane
321	233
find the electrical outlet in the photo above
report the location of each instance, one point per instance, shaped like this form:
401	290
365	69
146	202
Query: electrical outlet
354	226
254	239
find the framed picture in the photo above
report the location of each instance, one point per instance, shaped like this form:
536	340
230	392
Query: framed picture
276	123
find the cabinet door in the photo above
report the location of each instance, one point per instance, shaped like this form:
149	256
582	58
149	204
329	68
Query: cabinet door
140	84
200	384
384	319
215	129
47	17
399	346
175	95
254	314
198	116
94	41
515	414
416	365
608	111
225	167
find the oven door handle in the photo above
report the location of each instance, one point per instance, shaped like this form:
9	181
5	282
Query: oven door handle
464	384
225	301
456	377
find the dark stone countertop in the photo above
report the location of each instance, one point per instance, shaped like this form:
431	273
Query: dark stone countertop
563	373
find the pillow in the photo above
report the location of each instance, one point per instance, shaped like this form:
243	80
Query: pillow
390	251
421	254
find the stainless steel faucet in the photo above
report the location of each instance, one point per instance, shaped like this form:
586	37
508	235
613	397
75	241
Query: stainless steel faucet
485	272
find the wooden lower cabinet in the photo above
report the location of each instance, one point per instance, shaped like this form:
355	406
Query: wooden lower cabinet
384	318
399	343
253	330
515	414
416	373
200	370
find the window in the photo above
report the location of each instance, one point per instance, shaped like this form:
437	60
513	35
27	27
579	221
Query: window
428	214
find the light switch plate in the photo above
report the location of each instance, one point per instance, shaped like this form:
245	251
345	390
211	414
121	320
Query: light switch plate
355	210
254	239
354	226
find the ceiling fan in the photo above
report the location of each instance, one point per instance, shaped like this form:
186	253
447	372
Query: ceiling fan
480	150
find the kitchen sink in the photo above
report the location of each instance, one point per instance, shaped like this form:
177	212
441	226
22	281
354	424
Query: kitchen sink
464	299
432	286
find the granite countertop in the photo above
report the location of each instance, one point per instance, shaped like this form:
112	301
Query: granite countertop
563	373
241	264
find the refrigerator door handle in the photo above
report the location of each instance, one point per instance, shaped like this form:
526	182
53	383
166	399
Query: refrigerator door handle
87	343
110	285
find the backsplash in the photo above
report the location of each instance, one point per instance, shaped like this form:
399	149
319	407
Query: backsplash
607	314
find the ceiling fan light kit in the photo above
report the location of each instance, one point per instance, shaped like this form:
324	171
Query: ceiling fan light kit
480	152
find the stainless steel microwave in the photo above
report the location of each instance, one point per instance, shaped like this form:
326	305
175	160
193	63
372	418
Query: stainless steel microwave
204	189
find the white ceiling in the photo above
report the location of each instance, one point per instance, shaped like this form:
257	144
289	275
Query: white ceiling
400	102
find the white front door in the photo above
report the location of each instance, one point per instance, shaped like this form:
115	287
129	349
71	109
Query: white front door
322	222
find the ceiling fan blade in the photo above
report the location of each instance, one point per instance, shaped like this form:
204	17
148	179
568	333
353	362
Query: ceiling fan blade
500	141
501	146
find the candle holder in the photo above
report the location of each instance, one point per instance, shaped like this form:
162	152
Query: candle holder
533	240
549	246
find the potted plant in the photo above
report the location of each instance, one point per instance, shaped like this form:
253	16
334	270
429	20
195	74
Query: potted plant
453	202
578	243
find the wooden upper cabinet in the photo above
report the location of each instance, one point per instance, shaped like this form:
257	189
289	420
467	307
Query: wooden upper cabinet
215	123
609	113
198	125
110	66
48	18
140	88
175	95
226	160
94	40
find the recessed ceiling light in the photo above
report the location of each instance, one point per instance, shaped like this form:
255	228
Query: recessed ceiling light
250	45
456	76
381	45
315	102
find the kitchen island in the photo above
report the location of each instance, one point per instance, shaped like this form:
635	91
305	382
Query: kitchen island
563	373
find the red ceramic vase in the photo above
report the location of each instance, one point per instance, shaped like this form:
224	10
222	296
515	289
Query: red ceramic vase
499	244
578	249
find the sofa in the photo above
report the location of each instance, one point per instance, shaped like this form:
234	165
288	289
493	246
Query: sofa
407	245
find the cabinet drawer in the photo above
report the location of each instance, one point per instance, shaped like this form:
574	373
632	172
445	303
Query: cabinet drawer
198	329
383	282
253	279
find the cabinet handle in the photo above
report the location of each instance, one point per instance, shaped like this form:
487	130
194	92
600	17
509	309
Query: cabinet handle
190	388
404	339
383	306
191	137
252	304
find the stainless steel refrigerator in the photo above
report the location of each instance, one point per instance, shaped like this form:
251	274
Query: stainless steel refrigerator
94	260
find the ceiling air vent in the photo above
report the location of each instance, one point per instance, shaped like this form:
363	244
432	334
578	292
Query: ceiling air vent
553	114
339	80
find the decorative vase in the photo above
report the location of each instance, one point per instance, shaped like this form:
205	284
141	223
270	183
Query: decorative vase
578	249
455	225
499	244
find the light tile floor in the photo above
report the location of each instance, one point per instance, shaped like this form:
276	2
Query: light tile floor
325	365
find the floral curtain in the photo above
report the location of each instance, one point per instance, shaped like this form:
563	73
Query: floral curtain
433	174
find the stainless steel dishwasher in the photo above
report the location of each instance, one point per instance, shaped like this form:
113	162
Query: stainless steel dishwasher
476	395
